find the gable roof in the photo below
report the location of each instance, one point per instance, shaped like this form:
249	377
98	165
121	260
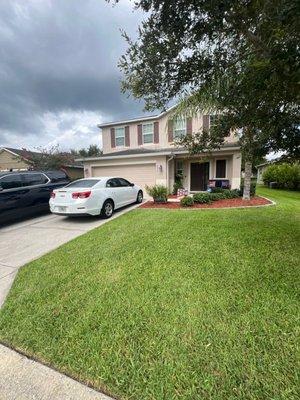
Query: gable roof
20	152
140	119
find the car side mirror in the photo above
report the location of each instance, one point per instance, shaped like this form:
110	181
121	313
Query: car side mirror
131	184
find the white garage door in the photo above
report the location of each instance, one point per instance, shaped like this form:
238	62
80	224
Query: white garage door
140	174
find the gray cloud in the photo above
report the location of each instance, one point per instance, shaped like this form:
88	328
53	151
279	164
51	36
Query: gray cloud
58	63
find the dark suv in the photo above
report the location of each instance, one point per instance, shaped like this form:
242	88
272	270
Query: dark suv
27	192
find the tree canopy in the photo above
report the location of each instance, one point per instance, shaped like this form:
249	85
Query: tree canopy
237	58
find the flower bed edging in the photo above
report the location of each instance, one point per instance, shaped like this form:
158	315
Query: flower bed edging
219	204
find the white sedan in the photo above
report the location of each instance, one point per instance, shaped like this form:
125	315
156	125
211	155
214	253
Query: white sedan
94	196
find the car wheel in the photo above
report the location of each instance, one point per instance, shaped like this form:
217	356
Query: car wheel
139	198
107	209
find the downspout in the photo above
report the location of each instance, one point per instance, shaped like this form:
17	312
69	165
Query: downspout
170	159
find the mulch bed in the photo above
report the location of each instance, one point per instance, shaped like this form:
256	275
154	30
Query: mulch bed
225	203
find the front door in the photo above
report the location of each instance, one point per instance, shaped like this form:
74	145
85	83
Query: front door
199	176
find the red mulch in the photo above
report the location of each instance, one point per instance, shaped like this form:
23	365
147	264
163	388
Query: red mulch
225	203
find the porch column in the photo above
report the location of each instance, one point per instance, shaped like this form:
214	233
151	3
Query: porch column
236	171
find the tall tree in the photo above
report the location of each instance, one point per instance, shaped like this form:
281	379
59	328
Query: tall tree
92	151
239	59
48	159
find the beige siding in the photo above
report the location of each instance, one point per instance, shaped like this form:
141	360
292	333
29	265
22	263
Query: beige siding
197	124
9	160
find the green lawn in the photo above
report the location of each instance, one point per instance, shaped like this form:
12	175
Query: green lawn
177	304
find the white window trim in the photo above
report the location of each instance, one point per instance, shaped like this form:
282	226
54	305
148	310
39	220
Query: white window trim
145	134
176	130
120	145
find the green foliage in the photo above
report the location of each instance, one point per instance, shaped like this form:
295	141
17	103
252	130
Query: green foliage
158	192
92	151
239	60
217	196
285	175
187	201
177	184
219	193
202	198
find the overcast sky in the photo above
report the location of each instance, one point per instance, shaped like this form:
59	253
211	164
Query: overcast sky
58	70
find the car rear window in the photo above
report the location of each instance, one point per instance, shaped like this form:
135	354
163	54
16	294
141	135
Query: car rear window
84	183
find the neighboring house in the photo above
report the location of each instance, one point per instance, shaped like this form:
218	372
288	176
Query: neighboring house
74	171
20	160
262	167
14	159
142	150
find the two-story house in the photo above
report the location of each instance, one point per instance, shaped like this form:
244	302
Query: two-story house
142	150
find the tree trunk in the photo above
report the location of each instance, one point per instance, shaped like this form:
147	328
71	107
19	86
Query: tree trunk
247	180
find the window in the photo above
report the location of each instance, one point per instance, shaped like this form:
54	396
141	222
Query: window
34	179
221	169
57	176
11	182
112	183
148	133
179	127
123	182
84	183
179	168
120	136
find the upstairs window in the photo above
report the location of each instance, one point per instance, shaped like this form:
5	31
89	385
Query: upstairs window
120	136
148	133
179	127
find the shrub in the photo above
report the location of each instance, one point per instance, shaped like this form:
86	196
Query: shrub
285	175
158	192
202	198
178	183
217	196
216	190
176	186
187	201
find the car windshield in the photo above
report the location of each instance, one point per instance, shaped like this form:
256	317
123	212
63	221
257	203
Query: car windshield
83	183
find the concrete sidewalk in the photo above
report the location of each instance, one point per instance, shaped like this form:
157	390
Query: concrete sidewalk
27	240
24	379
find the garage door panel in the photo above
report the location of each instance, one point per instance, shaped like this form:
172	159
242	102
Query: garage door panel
140	174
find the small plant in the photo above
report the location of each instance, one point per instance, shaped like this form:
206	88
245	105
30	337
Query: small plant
178	183
187	201
202	198
158	192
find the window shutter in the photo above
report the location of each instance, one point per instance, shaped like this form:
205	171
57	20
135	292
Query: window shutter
170	130
127	138
140	134
112	137
205	123
156	132
189	125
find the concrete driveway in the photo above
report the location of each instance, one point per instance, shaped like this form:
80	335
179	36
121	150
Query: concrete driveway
25	241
